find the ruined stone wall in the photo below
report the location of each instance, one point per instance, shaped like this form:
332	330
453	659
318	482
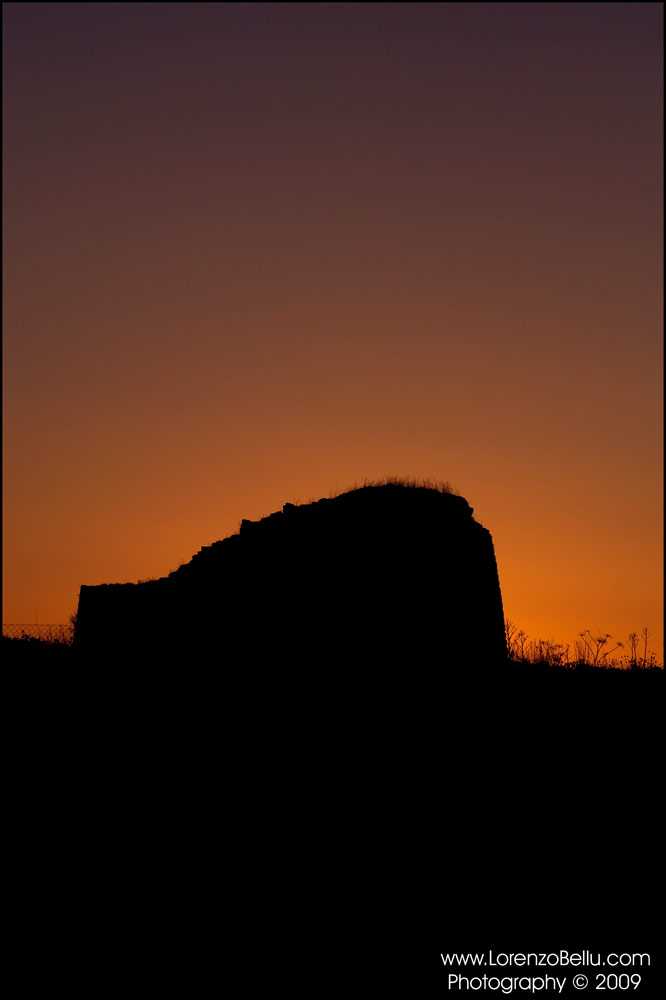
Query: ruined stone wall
378	576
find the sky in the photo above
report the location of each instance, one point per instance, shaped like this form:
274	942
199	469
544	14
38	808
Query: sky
256	253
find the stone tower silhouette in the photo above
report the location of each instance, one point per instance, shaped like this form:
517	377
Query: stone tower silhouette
377	576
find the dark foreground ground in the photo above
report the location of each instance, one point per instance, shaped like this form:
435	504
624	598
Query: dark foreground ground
331	832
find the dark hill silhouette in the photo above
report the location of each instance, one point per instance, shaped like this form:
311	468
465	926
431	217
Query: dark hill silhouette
349	825
372	577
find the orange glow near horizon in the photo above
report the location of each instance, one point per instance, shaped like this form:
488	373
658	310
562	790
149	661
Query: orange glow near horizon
254	256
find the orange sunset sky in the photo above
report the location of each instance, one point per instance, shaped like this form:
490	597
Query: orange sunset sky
258	252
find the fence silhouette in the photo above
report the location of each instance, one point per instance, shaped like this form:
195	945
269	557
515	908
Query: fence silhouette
59	633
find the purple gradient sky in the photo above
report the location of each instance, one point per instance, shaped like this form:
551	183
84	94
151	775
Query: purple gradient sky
256	252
